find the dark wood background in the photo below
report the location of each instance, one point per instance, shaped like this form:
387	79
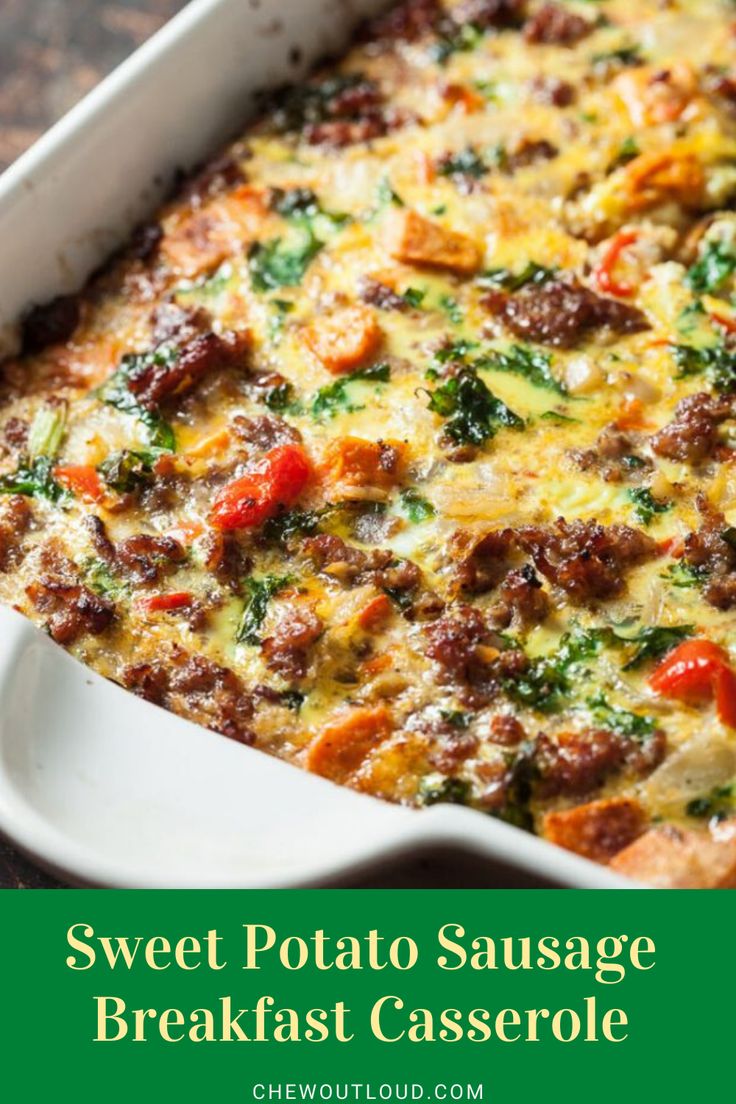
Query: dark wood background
51	53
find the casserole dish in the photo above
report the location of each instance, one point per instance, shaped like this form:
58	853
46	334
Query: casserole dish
446	658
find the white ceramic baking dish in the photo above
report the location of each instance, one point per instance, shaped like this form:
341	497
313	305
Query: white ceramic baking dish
93	782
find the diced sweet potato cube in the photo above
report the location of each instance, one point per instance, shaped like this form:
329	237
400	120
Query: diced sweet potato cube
344	339
661	175
597	830
674	858
340	750
196	241
356	464
416	240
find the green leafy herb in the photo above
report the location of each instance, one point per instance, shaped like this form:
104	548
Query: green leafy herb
293	699
282	307
627	151
453	352
713	269
531	273
387	196
415	507
127	470
459	38
549	680
310	103
456	718
451	308
289	524
653	642
718	804
101	580
532	364
47	431
717	362
684	575
116	392
281	398
467	162
624	55
635	725
450	791
280	263
647	507
473	412
414	297
334	397
260	592
35	479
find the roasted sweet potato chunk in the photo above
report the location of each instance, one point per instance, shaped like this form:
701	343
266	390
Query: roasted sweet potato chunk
416	240
598	830
344	339
340	750
674	858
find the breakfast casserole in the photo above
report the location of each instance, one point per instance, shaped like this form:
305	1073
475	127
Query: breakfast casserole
401	444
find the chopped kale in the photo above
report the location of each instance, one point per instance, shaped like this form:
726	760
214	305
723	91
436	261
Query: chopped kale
282	307
467	162
280	398
451	791
455	38
717	362
414	297
653	642
34	478
624	55
116	392
456	718
627	151
415	507
280	263
531	273
452	352
260	592
335	397
713	269
646	506
101	580
283	261
532	364
296	106
549	680
636	725
127	470
451	308
683	574
473	412
289	524
387	196
718	804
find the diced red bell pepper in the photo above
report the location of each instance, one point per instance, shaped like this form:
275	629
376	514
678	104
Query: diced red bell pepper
274	483
605	271
698	670
81	479
165	603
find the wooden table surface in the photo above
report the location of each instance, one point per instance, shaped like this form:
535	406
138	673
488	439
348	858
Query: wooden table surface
51	53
